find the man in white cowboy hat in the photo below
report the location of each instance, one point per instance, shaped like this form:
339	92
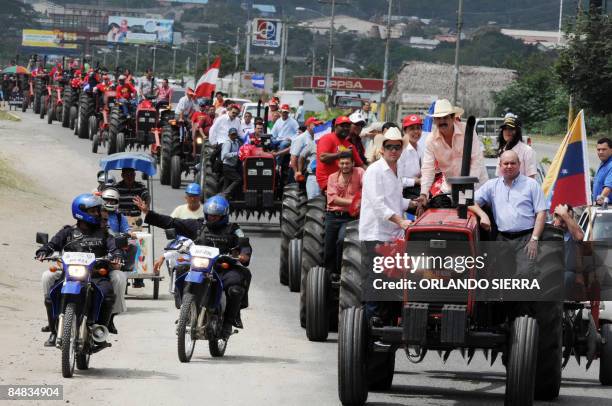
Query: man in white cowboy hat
444	149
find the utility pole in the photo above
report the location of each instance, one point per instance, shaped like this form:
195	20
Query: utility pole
386	67
283	55
457	44
136	67
560	19
330	50
208	52
249	36
154	51
173	61
237	49
195	66
117	57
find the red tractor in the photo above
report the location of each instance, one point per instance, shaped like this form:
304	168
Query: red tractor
52	99
134	129
528	334
99	122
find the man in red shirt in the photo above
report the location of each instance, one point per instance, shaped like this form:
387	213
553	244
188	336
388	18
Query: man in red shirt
329	148
126	92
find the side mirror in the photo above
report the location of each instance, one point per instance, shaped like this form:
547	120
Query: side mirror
121	242
170	234
42	238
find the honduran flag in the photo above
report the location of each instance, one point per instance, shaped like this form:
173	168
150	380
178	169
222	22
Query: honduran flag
567	181
258	80
208	82
322	129
427	126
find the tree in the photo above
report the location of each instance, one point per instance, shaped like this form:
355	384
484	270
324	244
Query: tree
585	65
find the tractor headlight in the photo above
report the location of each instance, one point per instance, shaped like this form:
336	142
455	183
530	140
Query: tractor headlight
77	271
199	140
198	262
141	119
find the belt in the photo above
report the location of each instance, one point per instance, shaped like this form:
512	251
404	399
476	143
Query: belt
516	234
341	214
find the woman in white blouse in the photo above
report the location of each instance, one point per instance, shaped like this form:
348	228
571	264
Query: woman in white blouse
511	138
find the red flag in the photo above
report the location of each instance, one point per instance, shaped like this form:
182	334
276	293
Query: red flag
207	83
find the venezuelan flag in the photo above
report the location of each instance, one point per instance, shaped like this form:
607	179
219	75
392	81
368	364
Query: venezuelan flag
567	180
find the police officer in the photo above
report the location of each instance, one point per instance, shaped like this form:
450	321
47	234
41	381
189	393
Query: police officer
214	230
86	236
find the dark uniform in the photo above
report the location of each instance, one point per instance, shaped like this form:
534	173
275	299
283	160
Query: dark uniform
225	237
73	239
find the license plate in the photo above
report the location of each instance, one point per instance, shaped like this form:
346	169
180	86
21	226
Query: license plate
203	251
78	258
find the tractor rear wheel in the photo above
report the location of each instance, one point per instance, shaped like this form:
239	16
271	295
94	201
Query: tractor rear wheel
175	172
317	304
352	274
86	109
295	264
291	223
313	246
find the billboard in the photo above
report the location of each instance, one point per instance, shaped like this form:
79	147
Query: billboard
135	30
47	39
267	32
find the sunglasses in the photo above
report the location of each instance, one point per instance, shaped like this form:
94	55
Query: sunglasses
393	147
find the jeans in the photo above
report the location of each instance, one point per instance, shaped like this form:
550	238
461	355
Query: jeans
335	230
312	187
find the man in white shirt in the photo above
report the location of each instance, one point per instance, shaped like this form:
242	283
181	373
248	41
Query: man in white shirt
382	209
219	131
192	209
409	164
299	143
186	106
444	150
247	125
285	129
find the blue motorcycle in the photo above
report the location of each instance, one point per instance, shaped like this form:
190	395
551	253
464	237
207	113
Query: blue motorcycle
203	301
76	303
178	264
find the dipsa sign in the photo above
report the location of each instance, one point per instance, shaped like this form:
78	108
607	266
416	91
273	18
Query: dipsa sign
267	32
340	83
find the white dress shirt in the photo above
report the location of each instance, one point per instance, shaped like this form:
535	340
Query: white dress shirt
409	165
439	155
246	128
220	128
381	198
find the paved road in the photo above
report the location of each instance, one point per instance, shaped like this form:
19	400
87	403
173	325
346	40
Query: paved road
271	362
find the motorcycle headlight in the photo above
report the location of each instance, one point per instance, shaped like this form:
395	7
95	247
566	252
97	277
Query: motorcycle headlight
77	271
200	262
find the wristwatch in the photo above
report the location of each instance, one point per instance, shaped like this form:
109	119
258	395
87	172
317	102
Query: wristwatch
534	238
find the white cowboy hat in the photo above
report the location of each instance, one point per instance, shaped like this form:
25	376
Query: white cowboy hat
444	108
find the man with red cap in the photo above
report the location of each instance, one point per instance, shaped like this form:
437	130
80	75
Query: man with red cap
409	163
299	143
329	148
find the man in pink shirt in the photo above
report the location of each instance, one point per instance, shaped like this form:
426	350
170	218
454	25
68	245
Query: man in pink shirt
445	148
343	201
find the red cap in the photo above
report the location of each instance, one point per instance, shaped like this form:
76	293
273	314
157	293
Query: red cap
411	119
313	120
342	120
234	106
285	107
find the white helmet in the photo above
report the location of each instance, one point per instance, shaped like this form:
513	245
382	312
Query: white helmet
111	199
121	77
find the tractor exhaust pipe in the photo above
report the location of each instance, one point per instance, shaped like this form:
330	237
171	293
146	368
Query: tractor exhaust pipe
463	186
266	119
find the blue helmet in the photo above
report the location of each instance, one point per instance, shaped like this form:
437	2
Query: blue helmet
193	189
217	206
82	203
